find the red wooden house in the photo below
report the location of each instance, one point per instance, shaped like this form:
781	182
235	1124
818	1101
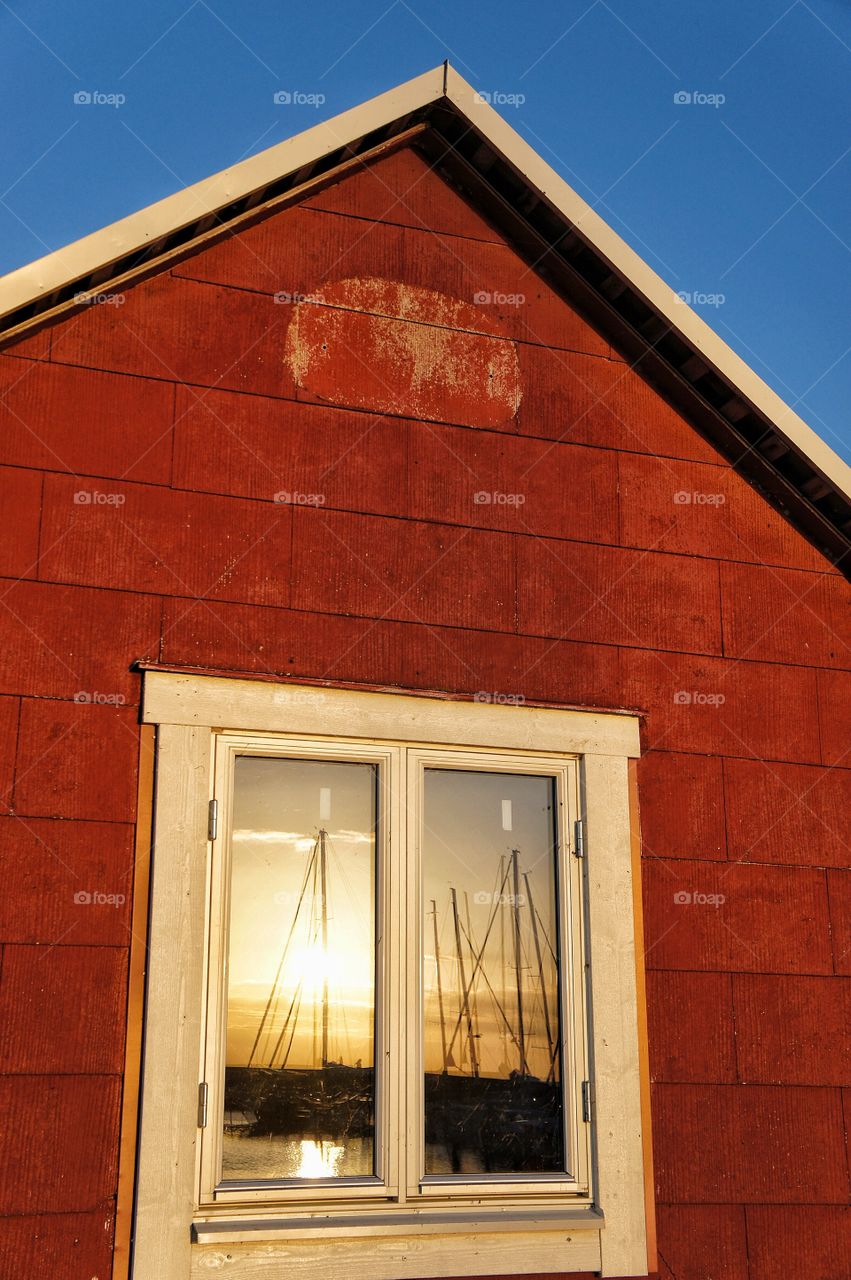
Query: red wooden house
402	586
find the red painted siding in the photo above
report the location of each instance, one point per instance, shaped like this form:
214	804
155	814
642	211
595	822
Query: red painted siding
620	561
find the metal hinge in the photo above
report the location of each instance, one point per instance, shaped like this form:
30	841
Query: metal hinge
586	1101
579	838
213	820
203	1093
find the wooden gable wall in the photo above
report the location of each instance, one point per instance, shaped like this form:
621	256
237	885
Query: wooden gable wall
419	382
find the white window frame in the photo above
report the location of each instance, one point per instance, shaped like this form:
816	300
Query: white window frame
312	1196
432	1228
543	1188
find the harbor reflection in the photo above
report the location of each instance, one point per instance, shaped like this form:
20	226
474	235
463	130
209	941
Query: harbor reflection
299	1078
493	1096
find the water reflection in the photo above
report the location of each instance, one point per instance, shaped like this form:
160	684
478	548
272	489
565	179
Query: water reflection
285	1159
318	1159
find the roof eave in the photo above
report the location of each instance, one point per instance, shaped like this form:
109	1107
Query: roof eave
785	457
643	279
186	208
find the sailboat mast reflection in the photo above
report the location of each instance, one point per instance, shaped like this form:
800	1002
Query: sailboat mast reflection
303	1087
493	1098
300	1084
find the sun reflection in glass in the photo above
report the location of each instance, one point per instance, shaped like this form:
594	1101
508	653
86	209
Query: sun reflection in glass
314	964
318	1159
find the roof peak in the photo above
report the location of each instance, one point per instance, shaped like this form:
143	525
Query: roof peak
571	245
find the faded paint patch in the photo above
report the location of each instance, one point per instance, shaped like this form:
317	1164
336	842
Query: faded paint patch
397	348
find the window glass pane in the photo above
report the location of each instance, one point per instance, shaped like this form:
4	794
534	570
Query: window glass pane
493	1095
299	1077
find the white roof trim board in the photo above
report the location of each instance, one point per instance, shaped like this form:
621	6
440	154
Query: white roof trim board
187	207
477	149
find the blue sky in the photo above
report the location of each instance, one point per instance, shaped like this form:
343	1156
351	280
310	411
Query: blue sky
744	202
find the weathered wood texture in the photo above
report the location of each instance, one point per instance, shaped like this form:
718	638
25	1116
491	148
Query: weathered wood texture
618	561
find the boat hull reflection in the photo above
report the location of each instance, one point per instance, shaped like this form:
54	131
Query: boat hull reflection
473	1124
332	1103
493	1125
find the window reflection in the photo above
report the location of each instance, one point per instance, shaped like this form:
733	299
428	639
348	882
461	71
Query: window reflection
299	1077
493	1095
